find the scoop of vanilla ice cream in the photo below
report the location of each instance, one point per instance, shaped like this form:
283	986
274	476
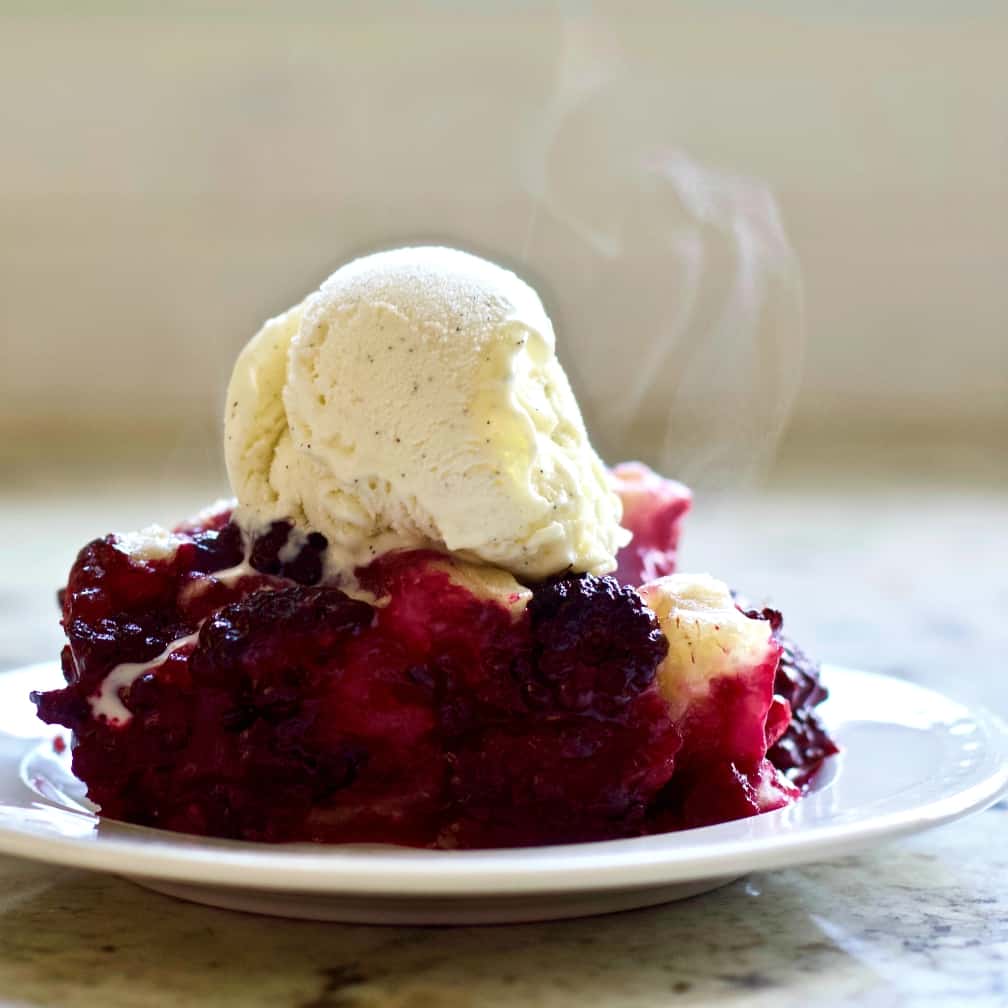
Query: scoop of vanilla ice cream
416	400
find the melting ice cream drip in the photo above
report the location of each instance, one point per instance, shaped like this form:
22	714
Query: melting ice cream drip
107	702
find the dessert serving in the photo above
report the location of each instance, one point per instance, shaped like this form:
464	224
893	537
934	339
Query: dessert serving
432	616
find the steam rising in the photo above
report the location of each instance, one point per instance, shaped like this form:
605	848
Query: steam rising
678	302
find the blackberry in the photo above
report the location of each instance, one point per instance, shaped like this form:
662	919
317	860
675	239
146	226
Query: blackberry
595	645
274	637
806	743
305	566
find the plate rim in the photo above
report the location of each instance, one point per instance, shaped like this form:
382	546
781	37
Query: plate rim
599	866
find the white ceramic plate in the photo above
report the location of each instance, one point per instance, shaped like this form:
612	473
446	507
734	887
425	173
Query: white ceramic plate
911	759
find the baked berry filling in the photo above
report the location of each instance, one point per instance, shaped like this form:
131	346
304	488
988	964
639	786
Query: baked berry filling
803	742
217	686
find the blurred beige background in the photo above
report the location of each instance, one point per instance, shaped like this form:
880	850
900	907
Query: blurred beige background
171	176
173	173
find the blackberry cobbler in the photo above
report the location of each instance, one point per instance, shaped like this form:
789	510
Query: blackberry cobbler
432	617
217	686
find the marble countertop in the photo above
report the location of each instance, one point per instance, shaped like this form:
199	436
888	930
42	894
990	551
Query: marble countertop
890	569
